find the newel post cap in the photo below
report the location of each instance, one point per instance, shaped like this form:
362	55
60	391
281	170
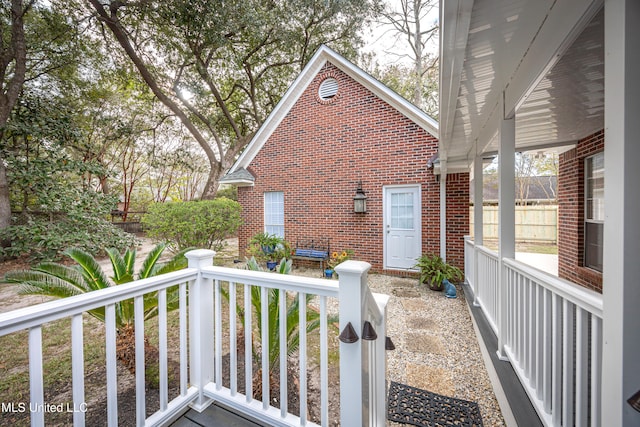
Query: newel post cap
200	258
353	267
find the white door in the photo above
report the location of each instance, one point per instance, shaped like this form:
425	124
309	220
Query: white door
402	226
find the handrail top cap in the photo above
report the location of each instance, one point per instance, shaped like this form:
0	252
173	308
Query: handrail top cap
200	253
353	267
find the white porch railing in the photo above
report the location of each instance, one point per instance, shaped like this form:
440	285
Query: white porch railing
553	336
205	337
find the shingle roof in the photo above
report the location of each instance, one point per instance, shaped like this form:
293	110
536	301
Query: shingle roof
239	177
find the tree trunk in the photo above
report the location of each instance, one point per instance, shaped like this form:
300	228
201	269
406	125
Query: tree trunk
5	205
126	354
16	54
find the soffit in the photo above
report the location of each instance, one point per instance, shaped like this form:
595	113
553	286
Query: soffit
564	105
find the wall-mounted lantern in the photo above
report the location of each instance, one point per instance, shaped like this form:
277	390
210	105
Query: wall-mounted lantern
360	200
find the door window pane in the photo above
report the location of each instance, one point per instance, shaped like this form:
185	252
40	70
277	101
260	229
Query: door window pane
402	211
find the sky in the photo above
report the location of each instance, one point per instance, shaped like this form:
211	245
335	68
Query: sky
382	39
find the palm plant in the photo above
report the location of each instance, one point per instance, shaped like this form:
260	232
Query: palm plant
61	281
292	316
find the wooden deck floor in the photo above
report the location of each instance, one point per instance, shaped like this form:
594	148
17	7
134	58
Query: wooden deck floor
523	412
214	416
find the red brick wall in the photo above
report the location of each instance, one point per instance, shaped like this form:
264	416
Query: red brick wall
322	149
571	213
458	188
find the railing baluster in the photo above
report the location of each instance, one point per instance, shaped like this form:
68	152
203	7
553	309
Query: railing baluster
248	347
567	363
35	376
582	362
218	335
302	330
558	357
548	348
162	348
77	368
139	340
324	371
596	370
539	346
183	339
264	308
233	353
526	363
283	353
112	374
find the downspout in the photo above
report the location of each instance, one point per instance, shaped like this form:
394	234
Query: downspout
443	208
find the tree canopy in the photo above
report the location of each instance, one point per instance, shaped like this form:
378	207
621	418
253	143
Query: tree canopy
220	70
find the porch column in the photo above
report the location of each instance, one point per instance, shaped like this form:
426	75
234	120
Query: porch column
506	219
621	254
443	209
478	219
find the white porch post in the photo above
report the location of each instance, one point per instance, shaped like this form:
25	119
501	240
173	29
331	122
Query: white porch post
621	269
201	326
478	220
443	209
506	219
353	396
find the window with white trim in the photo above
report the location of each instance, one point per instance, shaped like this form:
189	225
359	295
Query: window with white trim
594	211
274	213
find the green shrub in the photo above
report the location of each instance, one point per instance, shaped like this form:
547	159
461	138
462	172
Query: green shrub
43	239
200	224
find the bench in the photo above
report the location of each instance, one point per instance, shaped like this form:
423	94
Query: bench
312	250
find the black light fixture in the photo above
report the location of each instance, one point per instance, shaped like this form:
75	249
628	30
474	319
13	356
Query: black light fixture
360	200
368	333
388	344
348	334
634	401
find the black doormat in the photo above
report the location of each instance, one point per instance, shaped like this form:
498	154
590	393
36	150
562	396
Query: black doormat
410	405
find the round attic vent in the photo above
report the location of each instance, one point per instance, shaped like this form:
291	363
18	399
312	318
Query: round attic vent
328	89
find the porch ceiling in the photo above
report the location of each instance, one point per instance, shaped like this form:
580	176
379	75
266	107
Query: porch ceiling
541	59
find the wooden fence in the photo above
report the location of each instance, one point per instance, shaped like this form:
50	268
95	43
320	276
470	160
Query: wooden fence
533	223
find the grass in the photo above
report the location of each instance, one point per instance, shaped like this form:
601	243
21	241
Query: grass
529	247
57	366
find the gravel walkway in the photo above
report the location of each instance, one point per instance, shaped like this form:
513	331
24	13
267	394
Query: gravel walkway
436	345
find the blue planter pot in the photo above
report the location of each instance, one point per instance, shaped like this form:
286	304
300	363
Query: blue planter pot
271	265
328	273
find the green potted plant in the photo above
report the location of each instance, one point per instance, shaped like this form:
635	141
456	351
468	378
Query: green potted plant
433	270
269	248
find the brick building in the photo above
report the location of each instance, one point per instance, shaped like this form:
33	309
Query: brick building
337	127
581	212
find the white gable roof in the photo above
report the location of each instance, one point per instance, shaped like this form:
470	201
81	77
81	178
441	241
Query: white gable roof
321	57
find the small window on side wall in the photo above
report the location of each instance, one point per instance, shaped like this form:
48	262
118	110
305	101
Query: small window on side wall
274	213
594	211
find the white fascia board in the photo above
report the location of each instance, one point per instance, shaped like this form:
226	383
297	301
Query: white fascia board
455	18
240	182
563	24
313	67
